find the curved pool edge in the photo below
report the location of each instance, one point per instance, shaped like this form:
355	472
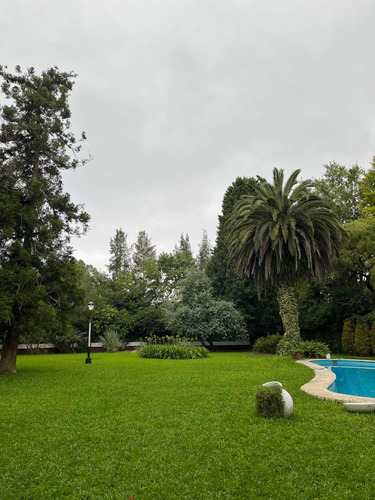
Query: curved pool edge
324	377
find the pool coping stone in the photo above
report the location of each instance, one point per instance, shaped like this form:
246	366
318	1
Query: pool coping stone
324	377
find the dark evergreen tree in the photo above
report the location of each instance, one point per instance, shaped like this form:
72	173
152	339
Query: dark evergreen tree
143	249
120	258
348	337
37	216
184	245
362	340
205	251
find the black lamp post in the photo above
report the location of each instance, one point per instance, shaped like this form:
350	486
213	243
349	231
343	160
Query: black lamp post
88	359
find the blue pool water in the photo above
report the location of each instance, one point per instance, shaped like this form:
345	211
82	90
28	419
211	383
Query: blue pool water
353	377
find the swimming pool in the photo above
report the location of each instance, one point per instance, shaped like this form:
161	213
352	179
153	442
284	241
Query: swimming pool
353	377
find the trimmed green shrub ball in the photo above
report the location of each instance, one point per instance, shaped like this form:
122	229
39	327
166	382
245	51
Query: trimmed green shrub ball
269	402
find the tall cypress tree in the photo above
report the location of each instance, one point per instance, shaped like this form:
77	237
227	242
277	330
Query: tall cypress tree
205	251
184	245
143	249
36	145
119	253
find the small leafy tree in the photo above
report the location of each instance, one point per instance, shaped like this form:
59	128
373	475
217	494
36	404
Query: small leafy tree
197	314
362	339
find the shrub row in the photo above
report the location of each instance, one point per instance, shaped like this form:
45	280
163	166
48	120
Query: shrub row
276	344
358	339
172	351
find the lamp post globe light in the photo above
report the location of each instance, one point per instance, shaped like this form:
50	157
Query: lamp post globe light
88	359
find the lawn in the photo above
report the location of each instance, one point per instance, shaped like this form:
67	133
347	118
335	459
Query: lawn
162	429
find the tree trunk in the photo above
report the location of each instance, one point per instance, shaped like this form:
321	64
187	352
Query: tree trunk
9	354
288	305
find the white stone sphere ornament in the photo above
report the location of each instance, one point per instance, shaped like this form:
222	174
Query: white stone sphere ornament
286	397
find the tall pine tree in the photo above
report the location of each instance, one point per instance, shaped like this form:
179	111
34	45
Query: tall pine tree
36	145
205	251
143	249
119	253
184	245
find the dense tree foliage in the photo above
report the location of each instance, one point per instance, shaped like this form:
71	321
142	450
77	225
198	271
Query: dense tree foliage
37	216
367	187
341	185
357	260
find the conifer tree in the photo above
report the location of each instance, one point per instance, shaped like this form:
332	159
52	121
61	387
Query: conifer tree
119	253
205	251
372	337
362	339
37	216
347	338
143	249
184	245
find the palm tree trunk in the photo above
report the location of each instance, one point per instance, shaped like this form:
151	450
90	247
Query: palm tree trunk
288	305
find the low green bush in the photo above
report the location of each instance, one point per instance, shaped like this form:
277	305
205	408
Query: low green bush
285	347
268	344
72	341
269	402
110	340
307	348
313	349
172	351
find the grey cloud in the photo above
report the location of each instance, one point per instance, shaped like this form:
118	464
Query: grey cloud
178	98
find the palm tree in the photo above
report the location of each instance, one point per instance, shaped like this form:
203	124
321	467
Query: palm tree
280	233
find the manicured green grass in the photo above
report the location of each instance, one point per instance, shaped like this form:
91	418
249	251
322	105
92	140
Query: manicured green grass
164	429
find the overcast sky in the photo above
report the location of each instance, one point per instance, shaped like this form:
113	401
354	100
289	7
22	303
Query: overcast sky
180	97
